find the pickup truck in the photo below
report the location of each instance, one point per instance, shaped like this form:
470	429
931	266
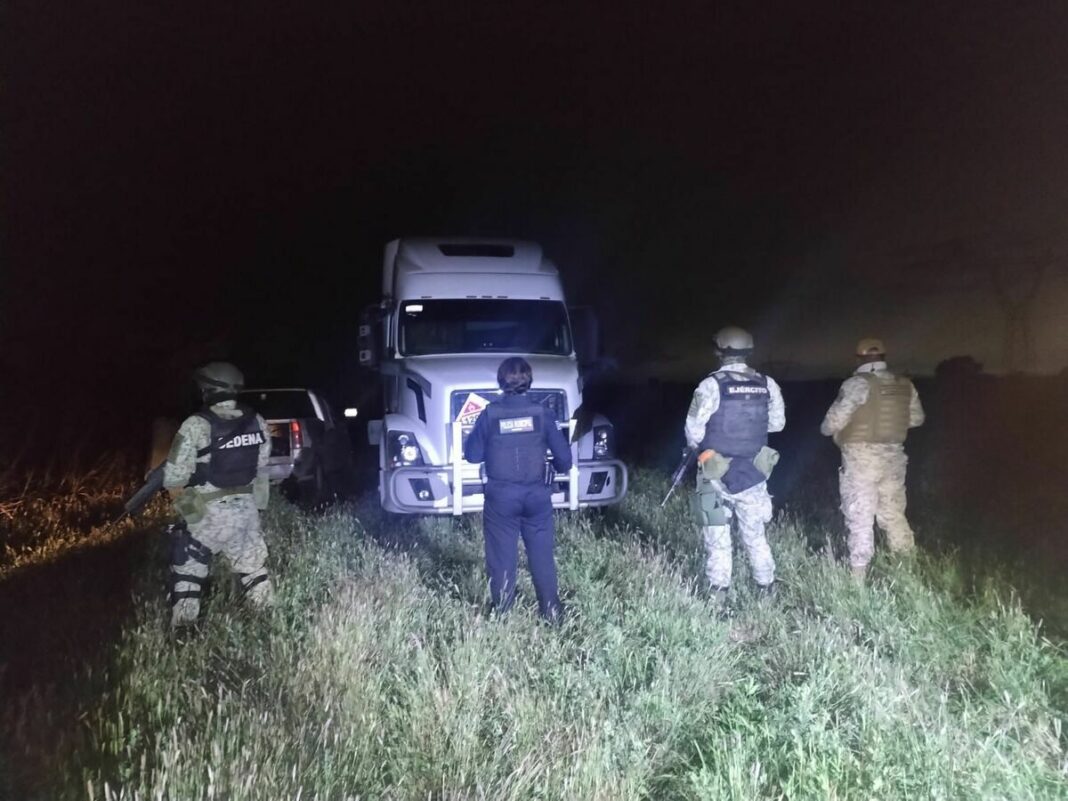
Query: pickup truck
311	457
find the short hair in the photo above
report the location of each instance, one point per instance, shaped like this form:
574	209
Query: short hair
514	376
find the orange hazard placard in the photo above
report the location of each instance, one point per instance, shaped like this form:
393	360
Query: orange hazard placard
471	409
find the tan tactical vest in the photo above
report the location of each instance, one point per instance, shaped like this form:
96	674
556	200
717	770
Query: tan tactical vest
884	416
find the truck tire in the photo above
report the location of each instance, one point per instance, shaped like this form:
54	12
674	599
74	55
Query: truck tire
311	492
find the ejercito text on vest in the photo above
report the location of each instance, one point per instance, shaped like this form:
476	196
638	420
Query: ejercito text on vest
739	427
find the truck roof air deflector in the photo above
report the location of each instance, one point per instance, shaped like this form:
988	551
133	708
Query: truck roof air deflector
477	250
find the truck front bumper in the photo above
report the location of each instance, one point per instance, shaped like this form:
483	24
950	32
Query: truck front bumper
431	489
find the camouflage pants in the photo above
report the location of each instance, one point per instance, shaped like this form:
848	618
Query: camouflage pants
752	510
230	527
871	482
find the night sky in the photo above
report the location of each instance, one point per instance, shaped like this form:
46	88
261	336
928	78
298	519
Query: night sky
187	181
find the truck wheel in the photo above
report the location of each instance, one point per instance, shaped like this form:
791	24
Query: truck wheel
311	492
341	484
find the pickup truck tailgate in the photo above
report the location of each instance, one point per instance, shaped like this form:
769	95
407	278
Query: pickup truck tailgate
281	441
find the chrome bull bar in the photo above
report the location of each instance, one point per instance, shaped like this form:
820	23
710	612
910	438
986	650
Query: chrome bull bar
442	476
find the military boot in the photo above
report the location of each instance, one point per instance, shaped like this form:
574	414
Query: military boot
718	598
766	592
185	633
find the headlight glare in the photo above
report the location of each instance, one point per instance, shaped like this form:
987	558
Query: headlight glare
403	449
604	445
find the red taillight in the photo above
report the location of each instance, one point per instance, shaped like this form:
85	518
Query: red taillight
296	436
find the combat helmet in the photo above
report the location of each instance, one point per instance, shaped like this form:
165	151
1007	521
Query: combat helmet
219	380
871	347
733	342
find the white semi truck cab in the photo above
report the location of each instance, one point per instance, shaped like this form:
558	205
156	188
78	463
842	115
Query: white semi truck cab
451	311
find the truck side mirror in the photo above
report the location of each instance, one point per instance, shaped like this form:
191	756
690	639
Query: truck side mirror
586	330
368	335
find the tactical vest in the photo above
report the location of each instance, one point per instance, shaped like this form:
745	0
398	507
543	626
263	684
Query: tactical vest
234	450
739	427
884	416
516	442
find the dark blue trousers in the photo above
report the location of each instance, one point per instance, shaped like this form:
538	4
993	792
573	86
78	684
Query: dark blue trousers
513	511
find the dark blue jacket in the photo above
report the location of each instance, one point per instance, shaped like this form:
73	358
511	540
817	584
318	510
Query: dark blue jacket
512	436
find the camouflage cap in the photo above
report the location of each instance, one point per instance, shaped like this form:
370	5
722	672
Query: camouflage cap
871	347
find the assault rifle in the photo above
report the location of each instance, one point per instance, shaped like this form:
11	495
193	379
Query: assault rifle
689	457
139	500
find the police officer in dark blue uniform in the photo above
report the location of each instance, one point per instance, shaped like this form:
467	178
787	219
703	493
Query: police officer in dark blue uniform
512	436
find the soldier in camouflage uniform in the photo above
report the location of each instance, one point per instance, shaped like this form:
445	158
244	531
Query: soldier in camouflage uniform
730	416
214	473
869	421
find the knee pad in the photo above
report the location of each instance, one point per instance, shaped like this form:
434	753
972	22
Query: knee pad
185	547
708	509
175	595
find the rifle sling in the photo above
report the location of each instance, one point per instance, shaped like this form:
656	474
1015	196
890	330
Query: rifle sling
225	493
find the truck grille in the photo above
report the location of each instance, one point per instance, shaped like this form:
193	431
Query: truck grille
555	400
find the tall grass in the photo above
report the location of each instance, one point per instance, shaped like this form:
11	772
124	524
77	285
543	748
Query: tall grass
51	510
378	676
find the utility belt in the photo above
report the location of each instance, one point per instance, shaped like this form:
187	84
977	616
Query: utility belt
192	505
716	465
706	504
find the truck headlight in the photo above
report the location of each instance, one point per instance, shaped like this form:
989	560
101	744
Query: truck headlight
403	449
604	442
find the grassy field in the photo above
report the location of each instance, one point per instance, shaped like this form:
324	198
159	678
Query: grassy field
378	676
47	513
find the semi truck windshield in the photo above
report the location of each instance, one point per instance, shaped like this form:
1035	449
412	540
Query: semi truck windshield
484	326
